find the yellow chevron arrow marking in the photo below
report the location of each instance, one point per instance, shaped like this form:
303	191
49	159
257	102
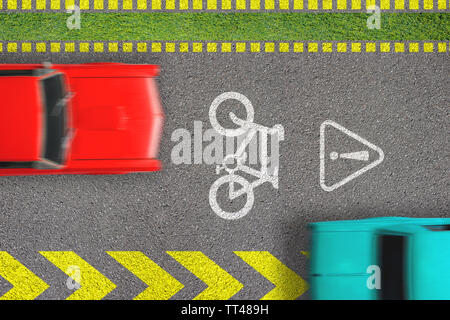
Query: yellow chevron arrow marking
94	286
288	285
27	285
221	285
161	284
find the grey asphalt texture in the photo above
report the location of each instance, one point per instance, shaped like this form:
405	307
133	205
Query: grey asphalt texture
399	102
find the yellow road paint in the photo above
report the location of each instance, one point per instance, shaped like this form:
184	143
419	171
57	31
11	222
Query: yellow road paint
161	285
255	4
141	47
356	4
26	285
371	47
399	4
41	47
127	47
142	4
327	4
170	47
211	47
70	4
241	4
356	47
255	47
113	47
184	47
98	4
385	47
226	4
327	47
98	47
40	4
54	4
414	47
341	47
26	4
313	47
94	285
288	284
112	4
298	4
414	4
211	4
428	47
306	253
240	47
442	4
385	4
269	47
170	4
226	47
197	47
26	47
342	4
127	4
84	4
283	47
284	4
11	4
221	285
399	47
197	4
69	47
428	4
298	47
184	4
313	4
55	47
442	47
370	3
269	4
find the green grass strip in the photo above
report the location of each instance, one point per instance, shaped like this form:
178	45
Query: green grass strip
162	26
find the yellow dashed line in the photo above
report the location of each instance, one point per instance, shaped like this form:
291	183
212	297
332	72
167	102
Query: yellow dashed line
311	5
239	47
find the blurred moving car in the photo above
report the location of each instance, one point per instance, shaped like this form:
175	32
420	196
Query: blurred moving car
412	254
96	118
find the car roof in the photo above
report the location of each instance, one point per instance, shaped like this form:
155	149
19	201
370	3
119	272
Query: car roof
20	118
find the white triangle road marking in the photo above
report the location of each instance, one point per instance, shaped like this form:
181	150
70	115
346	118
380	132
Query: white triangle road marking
354	174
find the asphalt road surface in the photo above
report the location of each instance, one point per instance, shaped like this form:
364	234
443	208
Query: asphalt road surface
399	102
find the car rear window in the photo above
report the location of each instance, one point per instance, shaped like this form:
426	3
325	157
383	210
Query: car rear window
391	259
55	111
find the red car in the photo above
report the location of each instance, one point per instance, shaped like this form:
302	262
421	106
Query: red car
96	118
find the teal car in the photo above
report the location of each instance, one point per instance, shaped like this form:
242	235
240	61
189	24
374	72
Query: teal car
380	258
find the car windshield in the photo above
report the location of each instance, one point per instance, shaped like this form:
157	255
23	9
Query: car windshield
392	255
55	116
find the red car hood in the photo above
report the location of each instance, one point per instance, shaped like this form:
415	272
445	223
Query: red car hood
115	118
